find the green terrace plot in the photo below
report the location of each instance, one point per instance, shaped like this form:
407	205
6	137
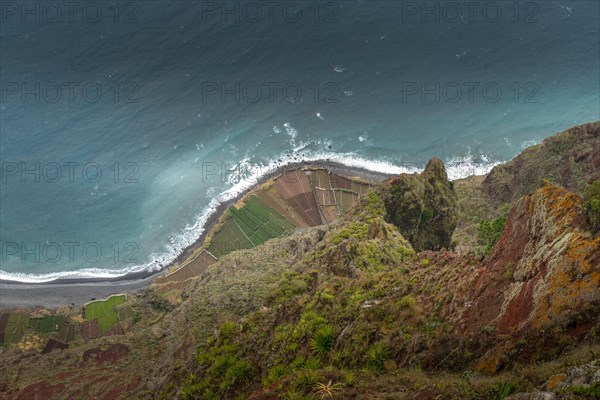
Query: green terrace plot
103	312
68	331
47	324
15	328
228	238
249	226
345	199
259	222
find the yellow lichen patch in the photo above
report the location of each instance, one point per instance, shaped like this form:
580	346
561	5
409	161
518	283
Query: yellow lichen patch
558	204
31	342
581	252
567	289
556	382
490	362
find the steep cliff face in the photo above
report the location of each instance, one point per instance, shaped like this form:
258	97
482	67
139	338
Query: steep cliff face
423	206
570	159
544	273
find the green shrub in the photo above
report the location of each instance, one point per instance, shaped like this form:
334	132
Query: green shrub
406	302
377	354
294	394
297	363
504	389
276	373
240	371
592	202
490	232
312	364
307	379
348	378
228	329
322	341
589	392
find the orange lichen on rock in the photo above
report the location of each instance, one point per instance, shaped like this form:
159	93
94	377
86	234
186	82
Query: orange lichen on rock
556	381
556	266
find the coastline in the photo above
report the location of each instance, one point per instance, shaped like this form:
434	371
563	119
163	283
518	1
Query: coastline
65	292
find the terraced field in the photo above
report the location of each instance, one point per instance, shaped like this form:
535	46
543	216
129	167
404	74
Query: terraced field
248	226
103	312
296	199
229	238
26	332
46	324
295	188
15	327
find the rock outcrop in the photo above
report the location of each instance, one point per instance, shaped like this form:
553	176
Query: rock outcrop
423	206
544	273
570	159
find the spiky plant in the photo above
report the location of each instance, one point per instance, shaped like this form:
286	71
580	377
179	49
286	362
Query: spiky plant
294	394
377	354
306	379
228	329
322	341
505	389
327	389
312	363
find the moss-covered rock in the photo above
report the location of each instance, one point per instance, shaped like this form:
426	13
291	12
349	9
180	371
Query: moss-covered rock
423	206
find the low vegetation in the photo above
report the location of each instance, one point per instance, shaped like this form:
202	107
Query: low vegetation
489	232
592	201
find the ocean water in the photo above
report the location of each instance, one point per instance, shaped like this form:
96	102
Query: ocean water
124	124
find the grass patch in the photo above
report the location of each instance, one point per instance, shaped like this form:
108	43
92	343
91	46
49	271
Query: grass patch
103	311
15	328
47	324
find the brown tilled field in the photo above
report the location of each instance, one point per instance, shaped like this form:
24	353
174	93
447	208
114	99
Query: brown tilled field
296	190
274	200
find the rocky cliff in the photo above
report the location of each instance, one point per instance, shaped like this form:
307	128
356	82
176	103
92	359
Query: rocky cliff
570	159
541	279
423	206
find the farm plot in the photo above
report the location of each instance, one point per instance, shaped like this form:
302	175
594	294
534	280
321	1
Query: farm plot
47	324
271	198
346	200
259	222
328	203
295	188
193	268
125	312
103	312
3	322
320	179
67	331
340	182
248	226
15	328
360	188
329	180
228	238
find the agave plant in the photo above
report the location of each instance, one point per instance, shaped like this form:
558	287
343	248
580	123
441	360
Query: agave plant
505	389
377	354
294	394
306	379
322	341
327	389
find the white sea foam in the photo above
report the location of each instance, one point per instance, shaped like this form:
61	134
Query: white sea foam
241	179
